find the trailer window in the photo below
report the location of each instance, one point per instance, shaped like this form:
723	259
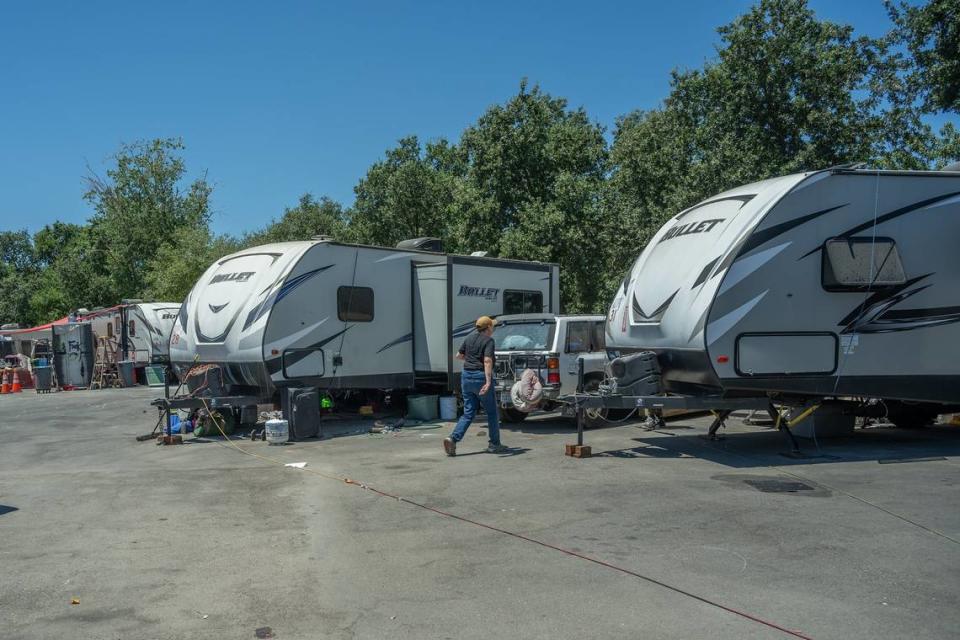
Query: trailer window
355	304
132	328
522	302
861	263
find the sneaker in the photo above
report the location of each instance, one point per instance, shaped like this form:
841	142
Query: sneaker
497	448
450	446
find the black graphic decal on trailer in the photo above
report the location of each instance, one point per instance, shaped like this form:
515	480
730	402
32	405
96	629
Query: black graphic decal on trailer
896	213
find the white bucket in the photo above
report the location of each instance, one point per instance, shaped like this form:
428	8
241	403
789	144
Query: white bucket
448	407
277	431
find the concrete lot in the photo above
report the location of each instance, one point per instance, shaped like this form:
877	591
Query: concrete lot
200	541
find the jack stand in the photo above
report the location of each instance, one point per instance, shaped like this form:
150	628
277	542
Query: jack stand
718	421
578	450
782	426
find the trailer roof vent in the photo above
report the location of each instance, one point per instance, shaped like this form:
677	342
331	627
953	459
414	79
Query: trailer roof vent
9	327
131	301
479	254
422	244
953	166
322	238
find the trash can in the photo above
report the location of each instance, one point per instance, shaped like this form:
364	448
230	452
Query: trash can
43	378
125	369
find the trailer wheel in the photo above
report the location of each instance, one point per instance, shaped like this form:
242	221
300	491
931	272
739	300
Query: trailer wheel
593	418
512	415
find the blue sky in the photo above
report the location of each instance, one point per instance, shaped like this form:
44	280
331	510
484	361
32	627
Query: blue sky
281	98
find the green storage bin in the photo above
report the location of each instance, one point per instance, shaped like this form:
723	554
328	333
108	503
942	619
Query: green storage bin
422	407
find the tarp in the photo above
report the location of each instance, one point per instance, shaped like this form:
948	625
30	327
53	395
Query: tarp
46	327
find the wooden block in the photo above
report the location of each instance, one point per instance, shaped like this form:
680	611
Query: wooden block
568	449
577	450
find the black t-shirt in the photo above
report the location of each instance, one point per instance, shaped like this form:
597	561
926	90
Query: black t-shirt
474	348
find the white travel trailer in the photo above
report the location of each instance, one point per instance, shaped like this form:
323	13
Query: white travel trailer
141	329
835	283
338	316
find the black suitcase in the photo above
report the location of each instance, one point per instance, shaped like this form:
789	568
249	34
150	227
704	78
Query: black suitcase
301	409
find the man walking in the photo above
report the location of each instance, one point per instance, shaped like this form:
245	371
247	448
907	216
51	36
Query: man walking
476	383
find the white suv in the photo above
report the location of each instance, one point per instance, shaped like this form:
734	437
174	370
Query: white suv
552	346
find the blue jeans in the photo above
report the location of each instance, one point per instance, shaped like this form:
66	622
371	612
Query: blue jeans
470	384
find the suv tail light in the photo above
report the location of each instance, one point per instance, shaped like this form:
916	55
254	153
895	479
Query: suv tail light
553	370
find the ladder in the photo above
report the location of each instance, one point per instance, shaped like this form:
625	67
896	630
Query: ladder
105	372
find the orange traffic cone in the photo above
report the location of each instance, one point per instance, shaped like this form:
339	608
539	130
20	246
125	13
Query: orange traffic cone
16	388
5	385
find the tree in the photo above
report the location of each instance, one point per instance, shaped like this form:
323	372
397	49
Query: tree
178	264
533	176
137	206
309	218
17	276
406	195
931	35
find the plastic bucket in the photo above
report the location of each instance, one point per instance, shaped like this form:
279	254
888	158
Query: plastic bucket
278	431
448	407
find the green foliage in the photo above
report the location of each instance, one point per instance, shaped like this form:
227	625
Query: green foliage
406	195
180	262
535	179
309	218
139	203
931	34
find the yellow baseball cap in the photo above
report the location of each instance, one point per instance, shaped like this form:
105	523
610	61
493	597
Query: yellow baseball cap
485	322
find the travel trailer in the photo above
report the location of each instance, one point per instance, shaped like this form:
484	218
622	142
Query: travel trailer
838	283
340	316
142	329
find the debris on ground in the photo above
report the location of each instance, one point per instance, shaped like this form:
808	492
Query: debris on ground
75	601
387	426
296	465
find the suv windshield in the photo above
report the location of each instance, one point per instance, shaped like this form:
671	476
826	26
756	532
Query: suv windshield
524	335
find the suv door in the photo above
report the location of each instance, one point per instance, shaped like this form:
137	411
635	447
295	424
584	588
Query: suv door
577	342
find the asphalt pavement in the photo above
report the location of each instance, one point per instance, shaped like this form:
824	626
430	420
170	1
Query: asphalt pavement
659	535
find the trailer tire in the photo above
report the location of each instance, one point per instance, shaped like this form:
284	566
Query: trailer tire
512	415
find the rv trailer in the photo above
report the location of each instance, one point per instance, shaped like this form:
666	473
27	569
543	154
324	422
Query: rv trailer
333	316
828	284
141	329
